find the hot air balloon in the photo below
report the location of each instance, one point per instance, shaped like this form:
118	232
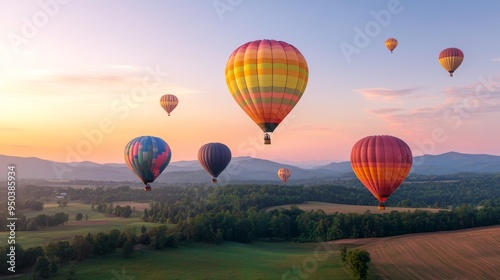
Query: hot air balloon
266	78
451	59
381	163
391	44
214	157
169	102
284	174
147	157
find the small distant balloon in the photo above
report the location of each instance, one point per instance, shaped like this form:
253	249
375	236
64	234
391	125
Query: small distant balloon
168	102
214	158
147	157
284	174
451	59
391	44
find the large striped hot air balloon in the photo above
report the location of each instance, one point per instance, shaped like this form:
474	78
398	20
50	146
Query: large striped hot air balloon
168	102
381	163
147	157
214	157
266	78
391	44
284	174
451	59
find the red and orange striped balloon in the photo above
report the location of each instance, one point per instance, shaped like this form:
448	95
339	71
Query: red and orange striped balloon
381	163
267	78
451	59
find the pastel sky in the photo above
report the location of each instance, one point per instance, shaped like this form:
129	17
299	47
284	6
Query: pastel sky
79	79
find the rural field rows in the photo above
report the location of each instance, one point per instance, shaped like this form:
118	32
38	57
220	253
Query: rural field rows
464	254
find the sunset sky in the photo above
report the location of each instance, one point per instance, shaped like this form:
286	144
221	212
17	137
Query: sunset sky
79	79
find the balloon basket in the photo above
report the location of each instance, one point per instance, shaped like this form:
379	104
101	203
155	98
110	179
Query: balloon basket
267	139
147	188
381	206
214	180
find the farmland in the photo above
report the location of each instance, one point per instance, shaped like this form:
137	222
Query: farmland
331	208
462	254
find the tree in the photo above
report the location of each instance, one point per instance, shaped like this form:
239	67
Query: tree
101	244
53	267
114	236
343	254
219	236
82	247
358	260
143	229
128	248
71	272
42	269
86	217
79	216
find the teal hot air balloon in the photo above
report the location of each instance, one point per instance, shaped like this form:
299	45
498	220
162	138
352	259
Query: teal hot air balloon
147	157
214	157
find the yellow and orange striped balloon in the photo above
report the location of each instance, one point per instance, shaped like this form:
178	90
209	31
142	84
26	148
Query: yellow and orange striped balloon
451	59
391	44
168	102
381	163
266	78
284	174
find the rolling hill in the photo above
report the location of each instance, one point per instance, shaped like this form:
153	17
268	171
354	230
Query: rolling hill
241	169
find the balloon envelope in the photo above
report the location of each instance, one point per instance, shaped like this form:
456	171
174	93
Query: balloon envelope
391	44
381	163
451	59
147	157
168	102
267	78
214	157
284	174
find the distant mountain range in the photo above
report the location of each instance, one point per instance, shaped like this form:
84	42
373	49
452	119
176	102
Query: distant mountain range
241	169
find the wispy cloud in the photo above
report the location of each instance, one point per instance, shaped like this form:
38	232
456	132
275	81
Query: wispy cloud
497	59
385	111
460	104
386	93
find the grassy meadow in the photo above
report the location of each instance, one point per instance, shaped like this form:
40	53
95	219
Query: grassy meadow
231	260
97	222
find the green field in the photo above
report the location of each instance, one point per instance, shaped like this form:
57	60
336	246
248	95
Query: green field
97	222
231	260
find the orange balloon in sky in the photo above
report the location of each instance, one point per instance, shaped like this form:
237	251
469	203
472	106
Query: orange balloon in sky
391	44
284	174
168	102
381	163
